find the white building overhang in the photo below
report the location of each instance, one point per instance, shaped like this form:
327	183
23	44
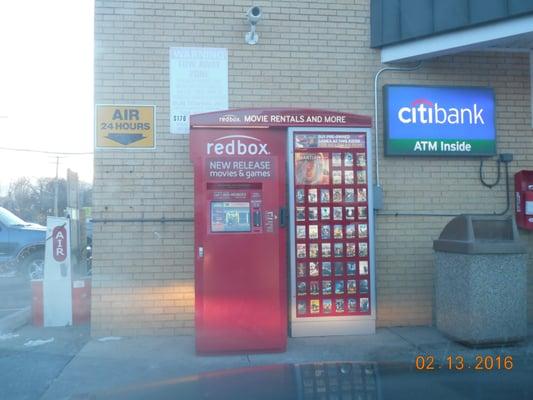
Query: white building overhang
513	35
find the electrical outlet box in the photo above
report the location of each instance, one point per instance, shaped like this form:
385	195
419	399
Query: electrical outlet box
506	157
378	197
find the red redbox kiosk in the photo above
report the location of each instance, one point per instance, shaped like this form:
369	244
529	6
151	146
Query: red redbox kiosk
281	198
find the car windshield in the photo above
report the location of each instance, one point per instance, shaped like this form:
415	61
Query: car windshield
10	219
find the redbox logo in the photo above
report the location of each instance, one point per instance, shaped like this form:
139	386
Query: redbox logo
229	118
236	146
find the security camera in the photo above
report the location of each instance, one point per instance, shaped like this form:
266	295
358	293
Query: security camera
253	15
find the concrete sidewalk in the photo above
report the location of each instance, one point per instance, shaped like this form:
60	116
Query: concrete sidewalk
105	365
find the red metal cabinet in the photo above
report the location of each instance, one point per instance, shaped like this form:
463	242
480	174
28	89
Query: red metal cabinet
240	253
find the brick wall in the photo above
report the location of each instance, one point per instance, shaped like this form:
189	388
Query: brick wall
310	54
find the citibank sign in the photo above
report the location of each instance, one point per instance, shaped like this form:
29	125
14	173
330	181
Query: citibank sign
427	120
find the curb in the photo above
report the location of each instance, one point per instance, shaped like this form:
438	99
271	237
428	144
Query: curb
15	320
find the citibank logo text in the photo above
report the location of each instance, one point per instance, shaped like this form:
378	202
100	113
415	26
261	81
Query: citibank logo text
423	111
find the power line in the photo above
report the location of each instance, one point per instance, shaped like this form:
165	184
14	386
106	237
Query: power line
47	152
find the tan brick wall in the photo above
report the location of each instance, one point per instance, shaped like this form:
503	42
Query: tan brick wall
310	54
404	243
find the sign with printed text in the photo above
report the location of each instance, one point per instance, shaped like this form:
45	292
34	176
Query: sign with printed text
239	157
125	127
340	141
198	84
243	169
57	289
439	121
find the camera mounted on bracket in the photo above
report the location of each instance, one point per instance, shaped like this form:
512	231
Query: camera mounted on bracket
253	15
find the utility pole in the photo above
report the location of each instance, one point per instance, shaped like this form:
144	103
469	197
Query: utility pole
56	194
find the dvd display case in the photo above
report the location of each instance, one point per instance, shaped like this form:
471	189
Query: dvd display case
332	233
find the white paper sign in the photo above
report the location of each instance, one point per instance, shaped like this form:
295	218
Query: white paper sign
198	83
57	286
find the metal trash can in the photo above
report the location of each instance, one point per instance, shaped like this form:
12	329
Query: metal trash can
481	281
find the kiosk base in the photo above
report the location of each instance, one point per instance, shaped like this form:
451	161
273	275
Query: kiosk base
333	328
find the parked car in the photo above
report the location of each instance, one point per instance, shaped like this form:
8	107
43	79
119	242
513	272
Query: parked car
21	245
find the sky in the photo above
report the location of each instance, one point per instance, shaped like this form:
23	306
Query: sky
46	88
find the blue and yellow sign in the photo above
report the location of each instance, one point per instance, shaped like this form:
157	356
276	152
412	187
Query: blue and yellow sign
125	127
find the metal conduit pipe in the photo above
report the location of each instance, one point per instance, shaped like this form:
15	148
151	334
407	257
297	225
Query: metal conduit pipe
376	125
140	220
378	179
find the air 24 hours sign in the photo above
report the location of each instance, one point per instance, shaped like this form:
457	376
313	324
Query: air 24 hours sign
125	126
440	121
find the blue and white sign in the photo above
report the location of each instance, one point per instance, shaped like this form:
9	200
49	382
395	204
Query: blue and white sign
428	120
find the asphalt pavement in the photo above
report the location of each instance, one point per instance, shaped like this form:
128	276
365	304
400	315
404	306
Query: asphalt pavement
105	364
66	363
32	358
15	294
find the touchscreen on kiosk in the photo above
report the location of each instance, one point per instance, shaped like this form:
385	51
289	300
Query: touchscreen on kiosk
230	216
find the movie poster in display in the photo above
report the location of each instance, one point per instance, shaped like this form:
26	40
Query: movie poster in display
337	195
364	304
300	196
348	159
326	288
363	267
350	268
325	231
349	196
352	305
326	268
300	270
300	232
350	212
313	250
313	269
312	196
311	168
362	230
326	304
315	306
326	250
314	288
301	288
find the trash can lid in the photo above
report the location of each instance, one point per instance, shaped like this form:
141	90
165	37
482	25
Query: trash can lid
480	234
